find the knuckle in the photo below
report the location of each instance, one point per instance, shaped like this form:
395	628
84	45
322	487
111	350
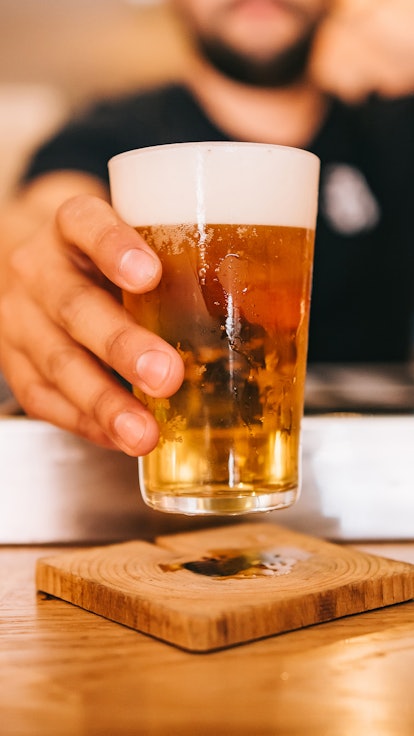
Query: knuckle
107	238
86	427
59	359
72	305
118	345
108	233
90	217
19	264
32	399
5	311
72	206
102	405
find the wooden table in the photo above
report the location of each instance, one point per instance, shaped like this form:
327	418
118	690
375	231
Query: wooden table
67	672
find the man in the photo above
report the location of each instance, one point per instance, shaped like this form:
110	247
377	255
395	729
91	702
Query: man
265	70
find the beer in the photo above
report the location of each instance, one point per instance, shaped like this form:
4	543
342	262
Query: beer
234	301
233	225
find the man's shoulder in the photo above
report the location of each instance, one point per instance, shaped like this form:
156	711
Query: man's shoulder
148	117
147	102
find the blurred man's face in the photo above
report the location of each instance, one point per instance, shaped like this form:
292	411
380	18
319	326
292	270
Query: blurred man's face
260	42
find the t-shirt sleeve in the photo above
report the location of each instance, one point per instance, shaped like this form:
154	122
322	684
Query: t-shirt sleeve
85	144
164	115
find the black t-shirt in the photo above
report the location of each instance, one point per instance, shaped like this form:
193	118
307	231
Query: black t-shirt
363	286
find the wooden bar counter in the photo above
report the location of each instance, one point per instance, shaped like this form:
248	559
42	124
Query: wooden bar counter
67	672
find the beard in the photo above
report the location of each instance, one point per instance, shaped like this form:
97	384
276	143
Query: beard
281	70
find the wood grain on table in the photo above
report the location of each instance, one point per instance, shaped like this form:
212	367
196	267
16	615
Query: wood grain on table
67	672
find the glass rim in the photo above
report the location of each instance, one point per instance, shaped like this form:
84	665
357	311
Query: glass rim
146	150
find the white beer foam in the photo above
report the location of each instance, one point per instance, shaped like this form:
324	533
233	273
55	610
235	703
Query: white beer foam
227	183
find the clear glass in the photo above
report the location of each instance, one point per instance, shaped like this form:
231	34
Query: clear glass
233	224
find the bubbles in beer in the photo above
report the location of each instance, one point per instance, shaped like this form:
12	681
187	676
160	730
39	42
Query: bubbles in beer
237	312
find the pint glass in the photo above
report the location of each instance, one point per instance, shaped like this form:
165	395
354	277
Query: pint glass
233	225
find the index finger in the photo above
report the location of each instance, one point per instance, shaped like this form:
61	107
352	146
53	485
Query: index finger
92	225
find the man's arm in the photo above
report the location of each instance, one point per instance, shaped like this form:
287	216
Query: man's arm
64	256
364	47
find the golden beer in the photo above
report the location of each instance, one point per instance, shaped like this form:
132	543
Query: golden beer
236	308
233	225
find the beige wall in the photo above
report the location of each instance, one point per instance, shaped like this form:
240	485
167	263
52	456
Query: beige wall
87	47
56	55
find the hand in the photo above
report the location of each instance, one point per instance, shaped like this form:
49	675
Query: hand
63	328
366	46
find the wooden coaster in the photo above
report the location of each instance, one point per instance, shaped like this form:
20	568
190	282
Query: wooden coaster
218	587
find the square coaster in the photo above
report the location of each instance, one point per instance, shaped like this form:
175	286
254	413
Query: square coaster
214	588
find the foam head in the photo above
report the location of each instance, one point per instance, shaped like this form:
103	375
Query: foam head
227	183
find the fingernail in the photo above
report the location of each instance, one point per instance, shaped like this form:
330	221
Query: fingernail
153	367
137	266
130	428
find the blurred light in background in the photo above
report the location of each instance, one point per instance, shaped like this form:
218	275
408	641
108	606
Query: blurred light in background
87	47
58	55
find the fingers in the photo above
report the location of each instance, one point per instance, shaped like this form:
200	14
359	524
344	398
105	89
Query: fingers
56	380
62	332
125	258
96	321
116	248
43	401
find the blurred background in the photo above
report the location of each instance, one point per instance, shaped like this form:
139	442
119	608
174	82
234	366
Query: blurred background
57	55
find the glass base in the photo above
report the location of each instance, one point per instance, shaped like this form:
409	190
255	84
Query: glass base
220	505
